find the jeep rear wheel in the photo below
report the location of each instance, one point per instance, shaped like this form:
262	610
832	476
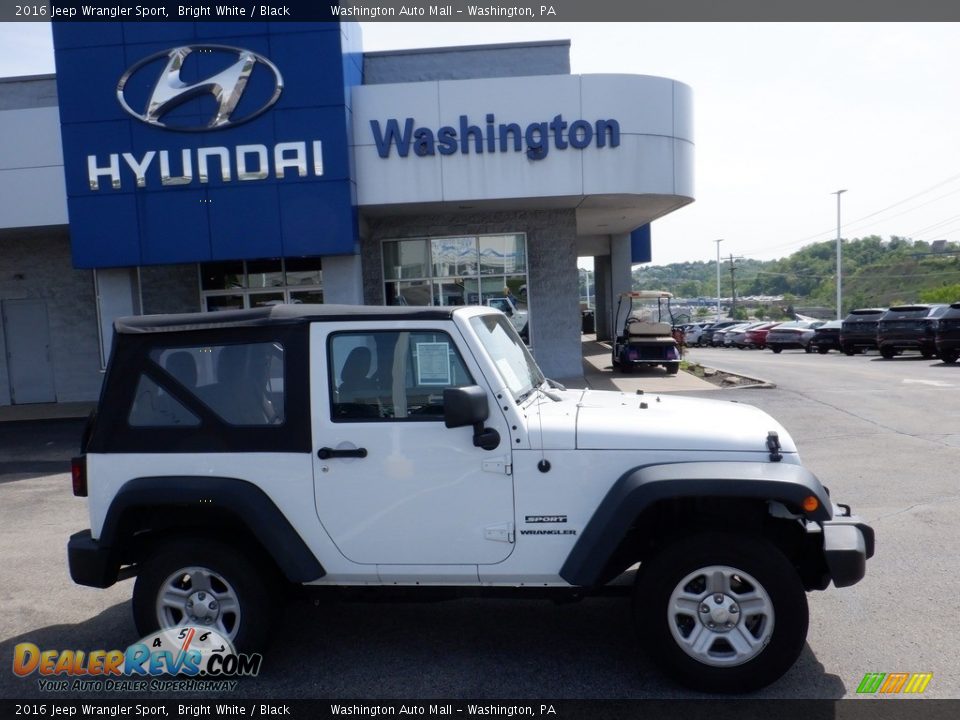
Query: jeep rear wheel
721	612
203	583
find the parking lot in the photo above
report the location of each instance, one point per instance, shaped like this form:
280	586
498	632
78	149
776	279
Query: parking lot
884	435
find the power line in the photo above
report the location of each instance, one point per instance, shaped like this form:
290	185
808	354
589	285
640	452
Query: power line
827	234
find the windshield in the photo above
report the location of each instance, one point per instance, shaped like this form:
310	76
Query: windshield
514	363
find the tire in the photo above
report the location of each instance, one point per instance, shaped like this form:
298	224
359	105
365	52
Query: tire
740	569
887	353
196	568
807	349
927	354
776	350
822	350
672	368
949	356
849	350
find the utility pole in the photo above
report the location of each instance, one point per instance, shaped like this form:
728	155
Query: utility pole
733	284
838	193
718	277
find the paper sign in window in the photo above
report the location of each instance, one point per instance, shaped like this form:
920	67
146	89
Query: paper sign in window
433	363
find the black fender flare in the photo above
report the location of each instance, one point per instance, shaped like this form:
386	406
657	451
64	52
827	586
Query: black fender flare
240	499
643	486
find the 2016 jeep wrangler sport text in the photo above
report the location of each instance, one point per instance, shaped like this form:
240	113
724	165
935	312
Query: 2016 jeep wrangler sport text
234	452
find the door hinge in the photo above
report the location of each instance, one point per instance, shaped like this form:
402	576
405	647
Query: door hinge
499	533
498	465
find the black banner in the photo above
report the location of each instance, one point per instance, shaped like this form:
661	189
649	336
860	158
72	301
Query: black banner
475	11
740	709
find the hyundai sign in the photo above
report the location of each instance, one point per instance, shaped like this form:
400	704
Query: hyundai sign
192	142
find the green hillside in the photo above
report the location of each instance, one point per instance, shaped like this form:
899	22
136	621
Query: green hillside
876	273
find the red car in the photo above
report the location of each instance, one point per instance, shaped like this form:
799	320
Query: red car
757	337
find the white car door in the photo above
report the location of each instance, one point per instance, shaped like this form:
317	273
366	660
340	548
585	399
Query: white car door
393	484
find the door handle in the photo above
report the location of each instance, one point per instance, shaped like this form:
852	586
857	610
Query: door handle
326	453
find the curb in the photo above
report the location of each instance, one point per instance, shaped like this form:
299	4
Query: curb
754	384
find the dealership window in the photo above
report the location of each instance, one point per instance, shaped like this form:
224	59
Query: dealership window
457	270
239	284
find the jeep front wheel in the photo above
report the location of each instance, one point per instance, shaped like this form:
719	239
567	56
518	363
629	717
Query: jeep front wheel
203	583
721	613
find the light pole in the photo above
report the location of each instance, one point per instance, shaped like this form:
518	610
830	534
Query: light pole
718	277
838	193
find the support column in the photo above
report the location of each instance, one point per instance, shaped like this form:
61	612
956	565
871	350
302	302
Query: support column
604	309
342	280
621	278
118	295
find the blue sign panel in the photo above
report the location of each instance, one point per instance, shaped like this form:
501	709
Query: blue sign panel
191	142
640	247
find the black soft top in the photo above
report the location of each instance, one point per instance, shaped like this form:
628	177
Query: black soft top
275	315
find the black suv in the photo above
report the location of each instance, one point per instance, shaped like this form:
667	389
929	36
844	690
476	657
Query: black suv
948	334
859	330
826	337
909	327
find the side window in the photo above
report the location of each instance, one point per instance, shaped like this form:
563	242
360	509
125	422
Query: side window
241	384
392	375
153	406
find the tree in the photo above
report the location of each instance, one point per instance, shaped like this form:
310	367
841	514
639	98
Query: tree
947	294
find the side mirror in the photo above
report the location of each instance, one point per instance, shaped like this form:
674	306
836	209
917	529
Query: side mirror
465	406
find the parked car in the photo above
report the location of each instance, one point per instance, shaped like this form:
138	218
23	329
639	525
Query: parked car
826	337
693	333
859	330
948	334
707	337
757	337
909	327
794	334
725	339
736	336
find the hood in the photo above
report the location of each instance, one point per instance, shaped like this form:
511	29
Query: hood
603	420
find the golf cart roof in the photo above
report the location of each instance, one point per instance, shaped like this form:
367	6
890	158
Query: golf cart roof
646	294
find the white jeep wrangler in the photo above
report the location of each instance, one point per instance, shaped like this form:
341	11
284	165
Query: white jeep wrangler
328	445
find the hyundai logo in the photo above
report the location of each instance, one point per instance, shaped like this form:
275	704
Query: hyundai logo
226	86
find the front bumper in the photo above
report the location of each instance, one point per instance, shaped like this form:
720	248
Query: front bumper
848	543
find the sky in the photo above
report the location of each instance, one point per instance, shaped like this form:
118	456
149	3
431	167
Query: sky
785	114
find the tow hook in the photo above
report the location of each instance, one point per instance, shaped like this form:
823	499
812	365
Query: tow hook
773	445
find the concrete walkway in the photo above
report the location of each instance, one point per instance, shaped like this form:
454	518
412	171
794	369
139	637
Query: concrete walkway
598	374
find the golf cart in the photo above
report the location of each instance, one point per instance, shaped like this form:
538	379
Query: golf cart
647	338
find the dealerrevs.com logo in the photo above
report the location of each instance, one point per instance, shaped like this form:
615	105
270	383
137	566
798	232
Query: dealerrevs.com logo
187	659
894	683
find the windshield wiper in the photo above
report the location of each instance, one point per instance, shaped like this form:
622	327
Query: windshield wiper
523	396
546	390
